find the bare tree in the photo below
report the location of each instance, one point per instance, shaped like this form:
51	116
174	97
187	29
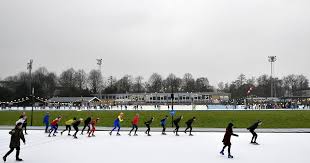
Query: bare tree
188	83
95	81
138	85
81	79
172	83
124	84
66	78
202	85
155	83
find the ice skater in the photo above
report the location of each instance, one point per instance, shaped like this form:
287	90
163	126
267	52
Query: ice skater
86	124
252	130
54	126
117	124
25	122
75	125
226	139
189	126
46	121
68	124
176	123
92	126
163	123
20	120
148	125
134	123
16	135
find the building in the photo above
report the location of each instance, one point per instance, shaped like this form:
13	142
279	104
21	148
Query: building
74	101
164	98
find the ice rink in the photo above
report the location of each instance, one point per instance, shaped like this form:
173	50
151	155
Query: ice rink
203	147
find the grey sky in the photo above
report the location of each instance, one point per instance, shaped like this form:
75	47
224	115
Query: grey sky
218	39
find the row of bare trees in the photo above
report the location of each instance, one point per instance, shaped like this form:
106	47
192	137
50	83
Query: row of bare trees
290	85
73	82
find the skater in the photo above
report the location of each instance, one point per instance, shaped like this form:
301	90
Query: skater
92	126
226	139
148	125
16	135
86	124
189	125
176	123
252	130
46	120
134	123
117	124
75	125
20	120
54	126
163	123
25	122
68	124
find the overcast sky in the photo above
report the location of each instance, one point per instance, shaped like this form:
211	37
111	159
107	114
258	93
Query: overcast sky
218	39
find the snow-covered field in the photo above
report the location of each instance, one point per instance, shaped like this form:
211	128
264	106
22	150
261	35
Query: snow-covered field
203	147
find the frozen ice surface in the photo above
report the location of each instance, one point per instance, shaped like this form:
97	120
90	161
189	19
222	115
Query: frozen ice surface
203	147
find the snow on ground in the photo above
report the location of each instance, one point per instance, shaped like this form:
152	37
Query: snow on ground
203	147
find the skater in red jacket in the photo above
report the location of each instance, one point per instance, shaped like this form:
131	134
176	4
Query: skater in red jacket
54	126
135	122
226	140
92	127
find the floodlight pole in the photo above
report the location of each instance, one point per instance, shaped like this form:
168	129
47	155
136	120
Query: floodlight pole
29	67
271	59
99	63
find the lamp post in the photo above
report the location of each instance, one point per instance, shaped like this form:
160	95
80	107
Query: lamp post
31	93
99	63
271	59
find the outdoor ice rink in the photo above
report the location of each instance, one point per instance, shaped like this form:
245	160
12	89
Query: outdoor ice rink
203	147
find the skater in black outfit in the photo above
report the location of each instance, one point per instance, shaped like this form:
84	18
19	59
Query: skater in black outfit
163	123
86	124
16	135
189	125
25	122
148	125
252	130
75	125
226	140
176	123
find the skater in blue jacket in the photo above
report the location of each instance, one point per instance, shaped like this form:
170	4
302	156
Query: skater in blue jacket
46	120
163	123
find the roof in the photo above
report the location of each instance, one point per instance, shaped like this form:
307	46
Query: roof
73	99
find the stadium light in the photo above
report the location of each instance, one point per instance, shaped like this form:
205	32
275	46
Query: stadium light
271	59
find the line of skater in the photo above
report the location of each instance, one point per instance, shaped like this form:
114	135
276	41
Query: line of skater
17	133
163	122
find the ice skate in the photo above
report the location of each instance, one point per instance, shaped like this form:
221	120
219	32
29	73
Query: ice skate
19	159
